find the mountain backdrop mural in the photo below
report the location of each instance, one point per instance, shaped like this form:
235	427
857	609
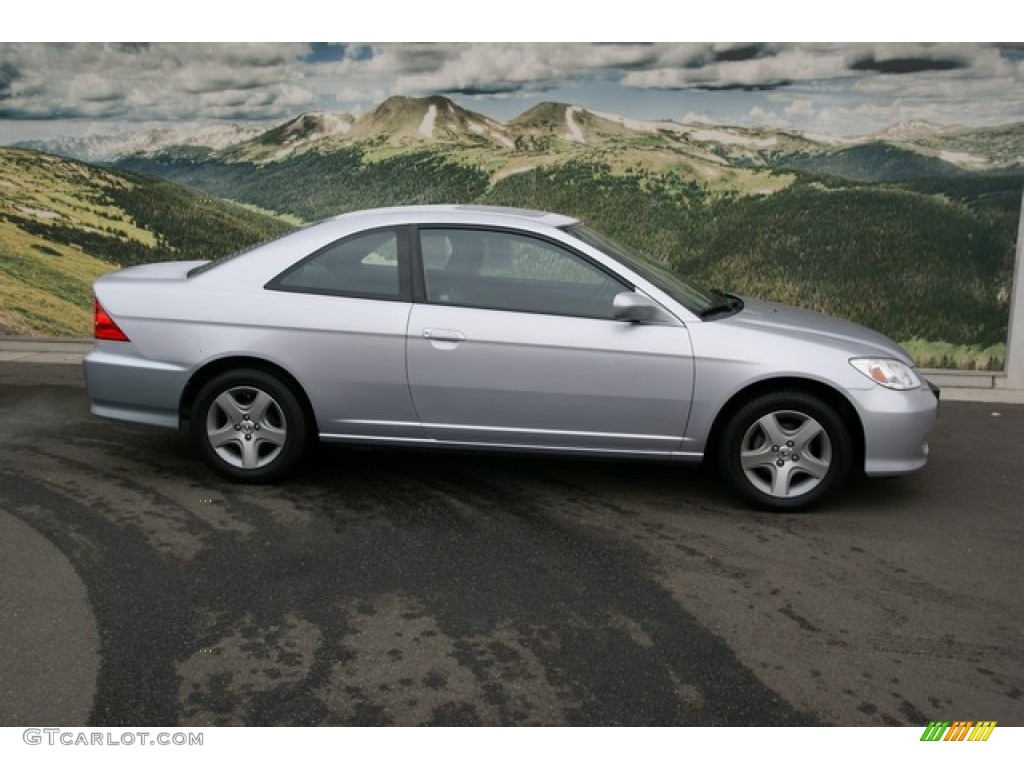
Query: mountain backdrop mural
909	228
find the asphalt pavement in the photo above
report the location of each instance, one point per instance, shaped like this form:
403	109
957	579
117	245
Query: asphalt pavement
392	587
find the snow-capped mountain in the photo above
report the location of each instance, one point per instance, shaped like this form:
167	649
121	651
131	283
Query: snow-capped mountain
431	119
110	147
399	120
439	124
910	130
563	122
292	136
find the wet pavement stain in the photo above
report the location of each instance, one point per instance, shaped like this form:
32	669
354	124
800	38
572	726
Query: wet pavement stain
390	576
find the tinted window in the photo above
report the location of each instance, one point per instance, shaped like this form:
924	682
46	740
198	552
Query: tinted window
363	265
506	270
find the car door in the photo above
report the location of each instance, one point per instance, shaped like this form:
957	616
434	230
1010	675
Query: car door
514	345
346	311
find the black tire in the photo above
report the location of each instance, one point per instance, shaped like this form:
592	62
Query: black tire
249	426
785	451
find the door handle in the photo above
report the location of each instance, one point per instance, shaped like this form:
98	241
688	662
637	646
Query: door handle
443	334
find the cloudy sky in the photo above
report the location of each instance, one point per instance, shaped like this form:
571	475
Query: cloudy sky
840	89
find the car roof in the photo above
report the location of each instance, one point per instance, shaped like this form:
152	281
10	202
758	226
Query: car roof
493	215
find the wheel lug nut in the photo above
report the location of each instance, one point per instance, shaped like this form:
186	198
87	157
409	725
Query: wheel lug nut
796	457
789	443
248	437
237	427
780	462
256	427
775	448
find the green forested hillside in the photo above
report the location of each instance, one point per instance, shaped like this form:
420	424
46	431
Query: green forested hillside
911	231
63	223
315	186
913	265
870	163
927	259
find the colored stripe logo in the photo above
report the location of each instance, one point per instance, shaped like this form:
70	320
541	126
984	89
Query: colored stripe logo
958	730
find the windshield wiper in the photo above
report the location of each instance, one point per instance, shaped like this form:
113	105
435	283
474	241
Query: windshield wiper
726	304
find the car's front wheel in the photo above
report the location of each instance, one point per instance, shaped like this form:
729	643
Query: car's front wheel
249	426
785	451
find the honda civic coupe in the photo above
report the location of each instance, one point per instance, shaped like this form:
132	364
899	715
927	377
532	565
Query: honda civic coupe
498	329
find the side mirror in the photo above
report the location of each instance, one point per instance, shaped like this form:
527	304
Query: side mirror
636	308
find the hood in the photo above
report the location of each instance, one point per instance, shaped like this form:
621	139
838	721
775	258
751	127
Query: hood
804	324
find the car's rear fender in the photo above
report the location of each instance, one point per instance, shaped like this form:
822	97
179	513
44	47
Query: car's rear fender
221	365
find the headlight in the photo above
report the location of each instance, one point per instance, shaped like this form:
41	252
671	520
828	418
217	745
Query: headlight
889	373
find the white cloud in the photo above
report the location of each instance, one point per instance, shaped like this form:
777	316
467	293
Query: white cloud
152	81
488	67
695	117
800	108
823	86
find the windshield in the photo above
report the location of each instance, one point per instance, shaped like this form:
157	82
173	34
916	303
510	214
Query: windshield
697	300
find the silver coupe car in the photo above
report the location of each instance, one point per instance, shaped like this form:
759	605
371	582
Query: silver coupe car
503	330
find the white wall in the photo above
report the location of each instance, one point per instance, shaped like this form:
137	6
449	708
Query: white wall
1015	332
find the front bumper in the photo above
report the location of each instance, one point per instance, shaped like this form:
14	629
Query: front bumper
896	428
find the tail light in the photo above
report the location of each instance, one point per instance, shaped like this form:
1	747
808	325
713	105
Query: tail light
104	326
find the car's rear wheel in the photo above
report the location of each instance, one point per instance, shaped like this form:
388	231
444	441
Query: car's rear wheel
785	451
249	426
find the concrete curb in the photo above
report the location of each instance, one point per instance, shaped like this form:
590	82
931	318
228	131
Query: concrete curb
29	354
51	643
61	351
